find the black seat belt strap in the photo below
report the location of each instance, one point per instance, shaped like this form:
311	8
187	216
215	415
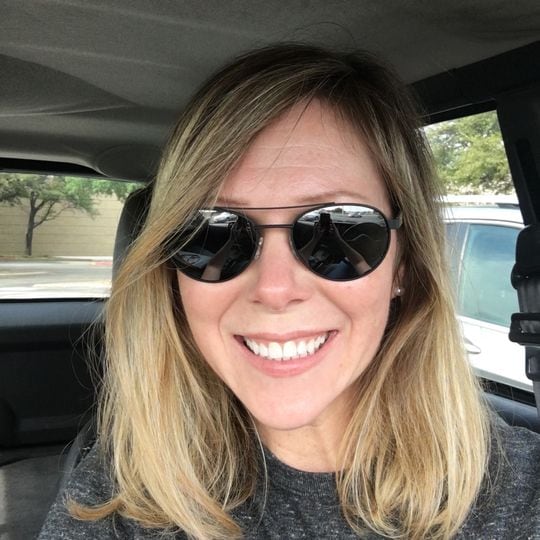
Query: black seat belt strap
525	326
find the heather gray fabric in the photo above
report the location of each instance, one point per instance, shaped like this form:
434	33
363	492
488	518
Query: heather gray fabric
303	505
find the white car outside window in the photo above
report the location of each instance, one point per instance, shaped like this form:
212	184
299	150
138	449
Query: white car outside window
482	233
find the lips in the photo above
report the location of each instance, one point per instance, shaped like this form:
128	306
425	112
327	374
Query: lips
288	350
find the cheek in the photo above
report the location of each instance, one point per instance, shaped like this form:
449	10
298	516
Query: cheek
374	290
366	305
201	306
205	306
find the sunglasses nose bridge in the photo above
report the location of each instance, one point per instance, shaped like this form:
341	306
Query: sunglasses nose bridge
260	240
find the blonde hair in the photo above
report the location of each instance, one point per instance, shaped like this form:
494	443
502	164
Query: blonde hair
182	449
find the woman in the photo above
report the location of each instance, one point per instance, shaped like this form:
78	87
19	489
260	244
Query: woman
283	359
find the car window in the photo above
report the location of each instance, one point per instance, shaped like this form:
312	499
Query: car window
57	235
470	155
483	220
455	235
485	291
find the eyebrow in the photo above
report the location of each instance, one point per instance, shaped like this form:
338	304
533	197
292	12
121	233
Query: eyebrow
325	203
304	202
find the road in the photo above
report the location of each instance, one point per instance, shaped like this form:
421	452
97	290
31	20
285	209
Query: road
55	278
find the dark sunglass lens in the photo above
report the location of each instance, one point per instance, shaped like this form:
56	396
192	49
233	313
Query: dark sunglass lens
341	242
215	246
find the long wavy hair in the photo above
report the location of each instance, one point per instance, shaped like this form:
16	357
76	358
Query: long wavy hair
183	450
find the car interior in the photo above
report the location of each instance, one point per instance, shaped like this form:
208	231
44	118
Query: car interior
93	88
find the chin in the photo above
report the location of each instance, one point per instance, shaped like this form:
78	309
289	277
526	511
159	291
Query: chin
281	417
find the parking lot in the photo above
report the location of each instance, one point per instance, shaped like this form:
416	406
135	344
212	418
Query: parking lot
55	277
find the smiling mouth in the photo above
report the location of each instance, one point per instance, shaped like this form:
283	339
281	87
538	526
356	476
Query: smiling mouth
288	350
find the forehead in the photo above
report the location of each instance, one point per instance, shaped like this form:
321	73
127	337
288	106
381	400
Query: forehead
306	155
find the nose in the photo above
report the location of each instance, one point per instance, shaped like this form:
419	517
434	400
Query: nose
279	279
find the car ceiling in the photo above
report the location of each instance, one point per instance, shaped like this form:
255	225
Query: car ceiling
98	83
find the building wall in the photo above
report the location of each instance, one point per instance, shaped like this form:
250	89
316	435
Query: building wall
71	234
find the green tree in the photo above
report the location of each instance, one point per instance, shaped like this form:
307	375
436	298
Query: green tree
470	155
45	197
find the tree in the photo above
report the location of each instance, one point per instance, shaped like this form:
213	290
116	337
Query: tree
470	155
47	196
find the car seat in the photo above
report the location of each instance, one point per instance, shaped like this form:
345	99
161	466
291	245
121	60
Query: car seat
131	221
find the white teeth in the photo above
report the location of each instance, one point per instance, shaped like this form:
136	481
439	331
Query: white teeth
254	346
275	352
286	351
289	349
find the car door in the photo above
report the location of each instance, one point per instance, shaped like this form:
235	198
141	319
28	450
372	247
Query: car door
486	301
52	295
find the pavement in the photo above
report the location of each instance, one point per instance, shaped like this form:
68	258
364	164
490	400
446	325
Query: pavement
58	277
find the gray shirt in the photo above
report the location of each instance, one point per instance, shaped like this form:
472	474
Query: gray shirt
301	505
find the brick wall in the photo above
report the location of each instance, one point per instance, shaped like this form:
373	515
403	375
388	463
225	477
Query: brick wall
72	233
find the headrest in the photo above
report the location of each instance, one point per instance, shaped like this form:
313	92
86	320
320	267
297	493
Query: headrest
131	222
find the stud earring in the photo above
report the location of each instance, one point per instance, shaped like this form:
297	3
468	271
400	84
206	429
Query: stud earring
398	291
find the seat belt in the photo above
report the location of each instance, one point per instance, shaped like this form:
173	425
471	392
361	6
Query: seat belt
519	118
525	326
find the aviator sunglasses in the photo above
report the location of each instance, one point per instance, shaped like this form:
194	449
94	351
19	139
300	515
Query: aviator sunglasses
339	242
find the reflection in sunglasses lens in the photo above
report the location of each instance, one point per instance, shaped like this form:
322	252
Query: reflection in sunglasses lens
341	242
338	242
217	246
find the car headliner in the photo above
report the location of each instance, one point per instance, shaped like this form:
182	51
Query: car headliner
99	83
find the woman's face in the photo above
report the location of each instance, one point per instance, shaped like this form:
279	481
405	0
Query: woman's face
302	158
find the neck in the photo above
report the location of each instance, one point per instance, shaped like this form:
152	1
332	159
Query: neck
310	448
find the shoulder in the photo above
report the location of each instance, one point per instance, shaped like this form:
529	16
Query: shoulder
516	451
509	503
90	484
91	481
